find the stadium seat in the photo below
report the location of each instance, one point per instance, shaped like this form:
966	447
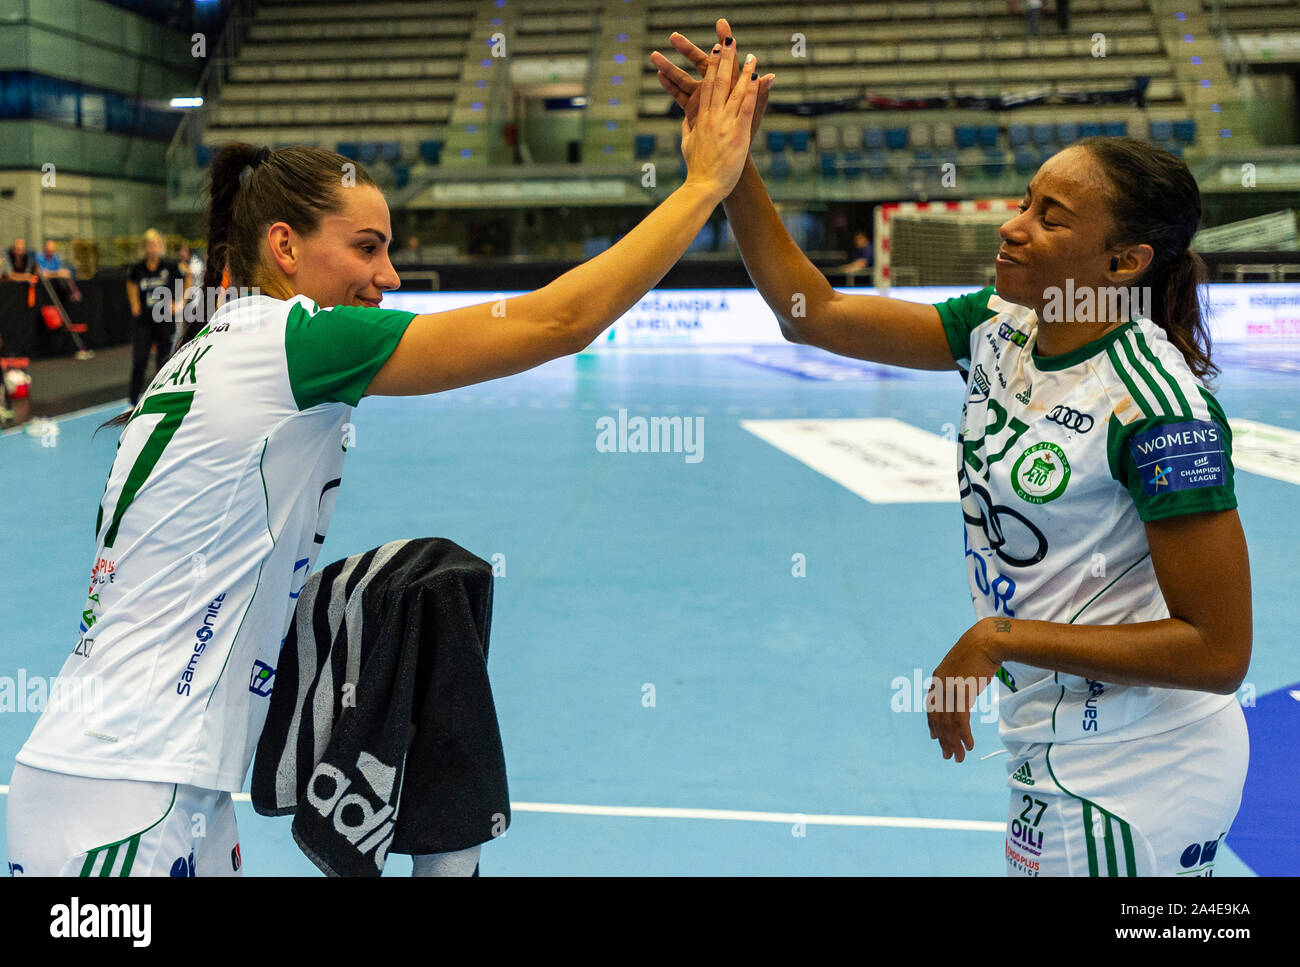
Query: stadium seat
896	139
1185	131
943	134
965	135
391	151
1089	129
1115	129
828	137
799	141
430	151
776	141
368	151
994	162
402	175
1018	134
645	146
873	139
923	164
203	154
1042	134
852	164
829	168
780	167
877	165
1025	161
349	150
988	135
852	137
1162	131
921	135
1067	132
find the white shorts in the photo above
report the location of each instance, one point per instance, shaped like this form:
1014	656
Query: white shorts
1158	806
61	825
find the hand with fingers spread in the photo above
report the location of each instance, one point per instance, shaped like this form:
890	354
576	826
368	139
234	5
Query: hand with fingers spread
716	143
685	89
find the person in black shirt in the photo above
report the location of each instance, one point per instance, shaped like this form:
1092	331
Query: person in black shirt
151	291
18	264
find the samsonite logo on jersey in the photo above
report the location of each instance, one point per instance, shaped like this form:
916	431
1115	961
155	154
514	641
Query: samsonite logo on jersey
363	823
202	635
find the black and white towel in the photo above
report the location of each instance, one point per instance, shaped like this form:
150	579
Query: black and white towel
381	734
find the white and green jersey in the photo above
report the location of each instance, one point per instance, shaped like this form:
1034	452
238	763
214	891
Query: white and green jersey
1062	458
214	511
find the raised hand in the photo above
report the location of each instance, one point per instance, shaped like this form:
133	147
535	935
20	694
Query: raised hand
716	143
685	89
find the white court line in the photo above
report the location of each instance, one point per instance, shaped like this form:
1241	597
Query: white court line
119	405
735	815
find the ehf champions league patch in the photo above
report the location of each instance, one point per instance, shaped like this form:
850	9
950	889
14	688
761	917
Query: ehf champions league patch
1180	456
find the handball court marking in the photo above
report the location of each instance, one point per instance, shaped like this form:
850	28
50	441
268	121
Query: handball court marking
734	815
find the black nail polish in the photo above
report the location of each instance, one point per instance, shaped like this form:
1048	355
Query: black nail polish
754	76
727	41
716	48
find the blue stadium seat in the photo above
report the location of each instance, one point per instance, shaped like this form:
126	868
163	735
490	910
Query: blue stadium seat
1042	134
852	164
1115	129
994	162
430	151
1026	163
1174	149
988	135
1017	134
1090	129
368	150
873	139
799	141
877	165
1185	131
390	151
349	149
776	141
780	167
896	138
923	164
645	146
1162	130
203	154
965	135
1067	132
829	168
402	175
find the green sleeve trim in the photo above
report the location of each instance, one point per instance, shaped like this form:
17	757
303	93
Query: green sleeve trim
333	354
960	315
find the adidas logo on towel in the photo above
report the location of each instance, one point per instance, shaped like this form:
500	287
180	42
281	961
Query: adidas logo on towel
357	816
1024	775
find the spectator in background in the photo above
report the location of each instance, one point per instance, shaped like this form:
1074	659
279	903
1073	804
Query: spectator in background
863	254
1063	15
1033	9
51	267
411	255
18	266
191	262
155	308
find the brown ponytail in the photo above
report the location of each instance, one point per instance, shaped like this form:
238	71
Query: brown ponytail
1154	200
251	188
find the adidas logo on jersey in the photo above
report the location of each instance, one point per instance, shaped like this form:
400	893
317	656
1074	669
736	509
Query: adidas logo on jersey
374	827
1024	775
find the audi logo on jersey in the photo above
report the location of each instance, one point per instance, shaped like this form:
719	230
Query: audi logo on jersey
1071	419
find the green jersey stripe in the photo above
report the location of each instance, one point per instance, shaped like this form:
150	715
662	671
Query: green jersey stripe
110	858
1130	861
1109	586
1129	384
1216	411
87	866
1112	864
1161	400
132	846
1087	835
1160	368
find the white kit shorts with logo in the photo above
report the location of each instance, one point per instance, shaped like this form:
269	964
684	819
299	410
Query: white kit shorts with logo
1155	806
62	825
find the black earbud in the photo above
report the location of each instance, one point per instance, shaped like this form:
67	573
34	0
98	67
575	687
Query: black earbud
1114	263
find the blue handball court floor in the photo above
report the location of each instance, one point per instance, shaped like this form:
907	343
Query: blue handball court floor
705	661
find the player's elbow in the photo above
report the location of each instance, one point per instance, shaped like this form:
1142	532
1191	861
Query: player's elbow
1228	671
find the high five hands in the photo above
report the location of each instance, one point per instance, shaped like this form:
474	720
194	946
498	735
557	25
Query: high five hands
688	92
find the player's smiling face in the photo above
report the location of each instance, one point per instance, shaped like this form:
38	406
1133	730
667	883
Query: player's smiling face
346	263
1059	234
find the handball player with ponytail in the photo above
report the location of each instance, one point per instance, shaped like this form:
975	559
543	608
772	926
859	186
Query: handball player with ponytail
1106	560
